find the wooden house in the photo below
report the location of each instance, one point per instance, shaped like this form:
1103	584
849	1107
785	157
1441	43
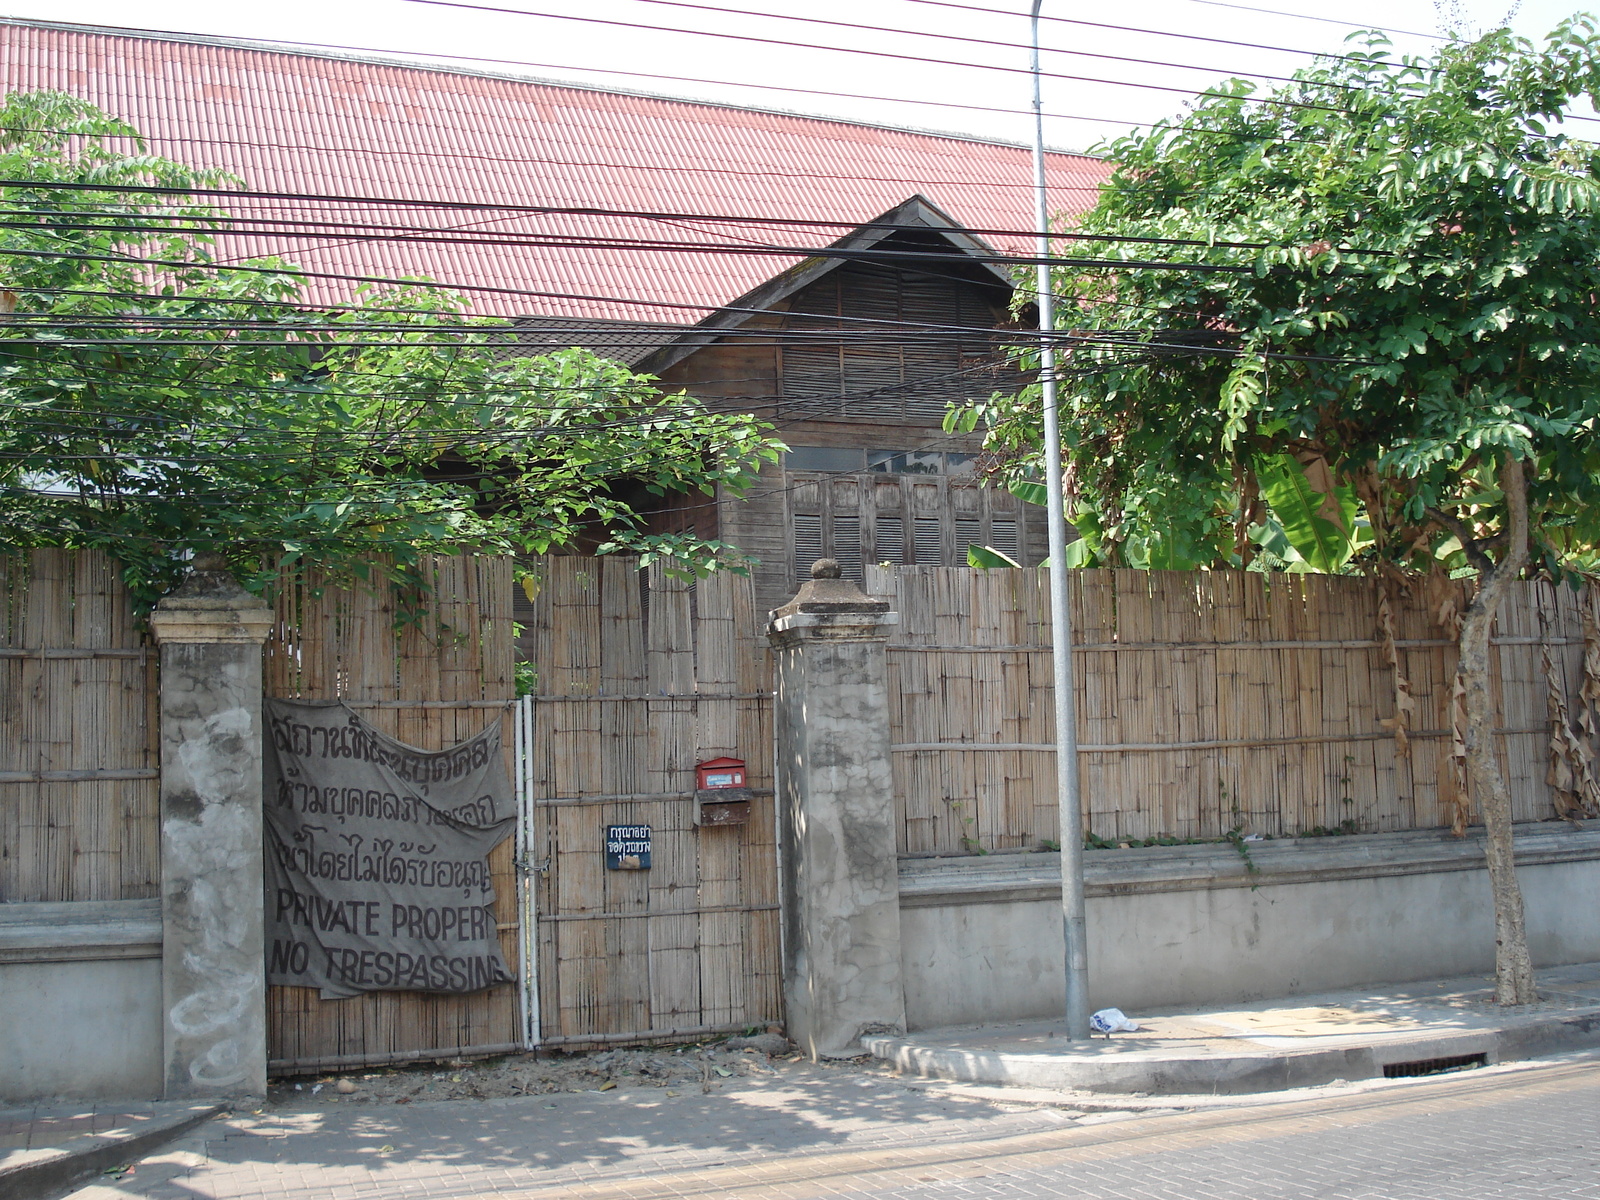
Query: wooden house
852	346
871	352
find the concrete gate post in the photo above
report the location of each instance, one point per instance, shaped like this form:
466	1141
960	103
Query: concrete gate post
213	974
835	801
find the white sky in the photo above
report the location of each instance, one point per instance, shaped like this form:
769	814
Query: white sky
585	51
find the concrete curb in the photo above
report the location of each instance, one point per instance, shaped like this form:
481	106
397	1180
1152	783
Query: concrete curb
1263	1070
43	1174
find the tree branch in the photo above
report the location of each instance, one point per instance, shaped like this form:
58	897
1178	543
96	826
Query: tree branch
1471	546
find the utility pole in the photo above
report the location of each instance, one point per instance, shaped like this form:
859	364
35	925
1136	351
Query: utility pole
1072	900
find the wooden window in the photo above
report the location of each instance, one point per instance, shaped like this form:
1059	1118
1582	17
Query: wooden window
898	518
891	546
969	532
1004	538
847	546
928	532
807	544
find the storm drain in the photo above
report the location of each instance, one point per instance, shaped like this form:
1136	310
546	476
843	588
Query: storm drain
1434	1066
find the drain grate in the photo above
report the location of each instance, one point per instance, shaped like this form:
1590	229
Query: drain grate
1434	1066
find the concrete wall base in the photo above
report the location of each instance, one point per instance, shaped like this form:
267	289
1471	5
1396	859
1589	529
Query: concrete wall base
981	938
80	1001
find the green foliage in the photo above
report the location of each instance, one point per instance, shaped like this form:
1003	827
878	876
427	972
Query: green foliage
155	412
1320	526
1416	299
987	557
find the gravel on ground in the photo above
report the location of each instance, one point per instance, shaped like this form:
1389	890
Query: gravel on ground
680	1069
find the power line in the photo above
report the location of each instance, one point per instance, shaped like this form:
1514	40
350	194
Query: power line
527	325
211	224
871	254
489	289
766	173
1166	33
424	58
1137	340
884	254
1274	12
1155	87
653	404
942	441
948	37
529	210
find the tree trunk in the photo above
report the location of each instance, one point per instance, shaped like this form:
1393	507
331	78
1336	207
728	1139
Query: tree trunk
1513	968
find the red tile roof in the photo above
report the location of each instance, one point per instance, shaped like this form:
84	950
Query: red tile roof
294	121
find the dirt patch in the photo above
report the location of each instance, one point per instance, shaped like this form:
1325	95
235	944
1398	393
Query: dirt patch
699	1067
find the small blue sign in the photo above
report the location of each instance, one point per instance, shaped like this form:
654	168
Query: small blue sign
627	847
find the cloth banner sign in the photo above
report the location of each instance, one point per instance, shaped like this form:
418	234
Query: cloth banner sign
378	856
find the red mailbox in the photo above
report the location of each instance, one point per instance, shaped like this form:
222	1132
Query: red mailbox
721	797
720	773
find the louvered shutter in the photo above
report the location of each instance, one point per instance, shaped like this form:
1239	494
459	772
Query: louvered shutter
847	545
891	540
969	532
807	544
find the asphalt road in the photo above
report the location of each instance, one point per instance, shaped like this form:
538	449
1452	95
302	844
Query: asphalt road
1528	1130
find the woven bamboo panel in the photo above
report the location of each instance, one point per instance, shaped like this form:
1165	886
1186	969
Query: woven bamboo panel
350	643
79	750
1205	702
641	677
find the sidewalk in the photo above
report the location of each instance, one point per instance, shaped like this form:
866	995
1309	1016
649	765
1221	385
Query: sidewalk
620	1130
45	1149
845	1131
1299	1041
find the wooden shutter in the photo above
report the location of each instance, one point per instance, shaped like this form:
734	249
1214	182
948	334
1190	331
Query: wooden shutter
807	544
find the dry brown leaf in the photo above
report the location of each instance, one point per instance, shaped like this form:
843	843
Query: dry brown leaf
1572	776
1453	787
1319	475
1404	703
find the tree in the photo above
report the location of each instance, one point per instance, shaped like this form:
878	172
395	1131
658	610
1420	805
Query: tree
1384	352
156	403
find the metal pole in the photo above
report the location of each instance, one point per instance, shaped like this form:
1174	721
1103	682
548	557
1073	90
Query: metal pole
1072	904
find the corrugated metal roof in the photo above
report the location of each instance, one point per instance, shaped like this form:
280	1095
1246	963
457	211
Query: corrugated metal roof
294	121
630	342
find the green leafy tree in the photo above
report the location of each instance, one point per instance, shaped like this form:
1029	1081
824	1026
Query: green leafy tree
156	403
1393	364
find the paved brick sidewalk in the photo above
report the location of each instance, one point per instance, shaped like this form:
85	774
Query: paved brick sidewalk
1532	1131
469	1148
36	1127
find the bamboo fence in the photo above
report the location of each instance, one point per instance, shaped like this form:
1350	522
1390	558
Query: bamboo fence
640	677
79	755
1207	702
430	678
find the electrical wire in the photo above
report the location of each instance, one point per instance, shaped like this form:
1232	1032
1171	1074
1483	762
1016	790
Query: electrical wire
357	231
1166	33
939	443
213	224
538	210
528	325
1072	338
1275	12
490	289
883	254
1155	87
948	37
730	171
422	60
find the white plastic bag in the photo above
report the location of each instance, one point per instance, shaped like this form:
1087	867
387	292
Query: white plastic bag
1112	1020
